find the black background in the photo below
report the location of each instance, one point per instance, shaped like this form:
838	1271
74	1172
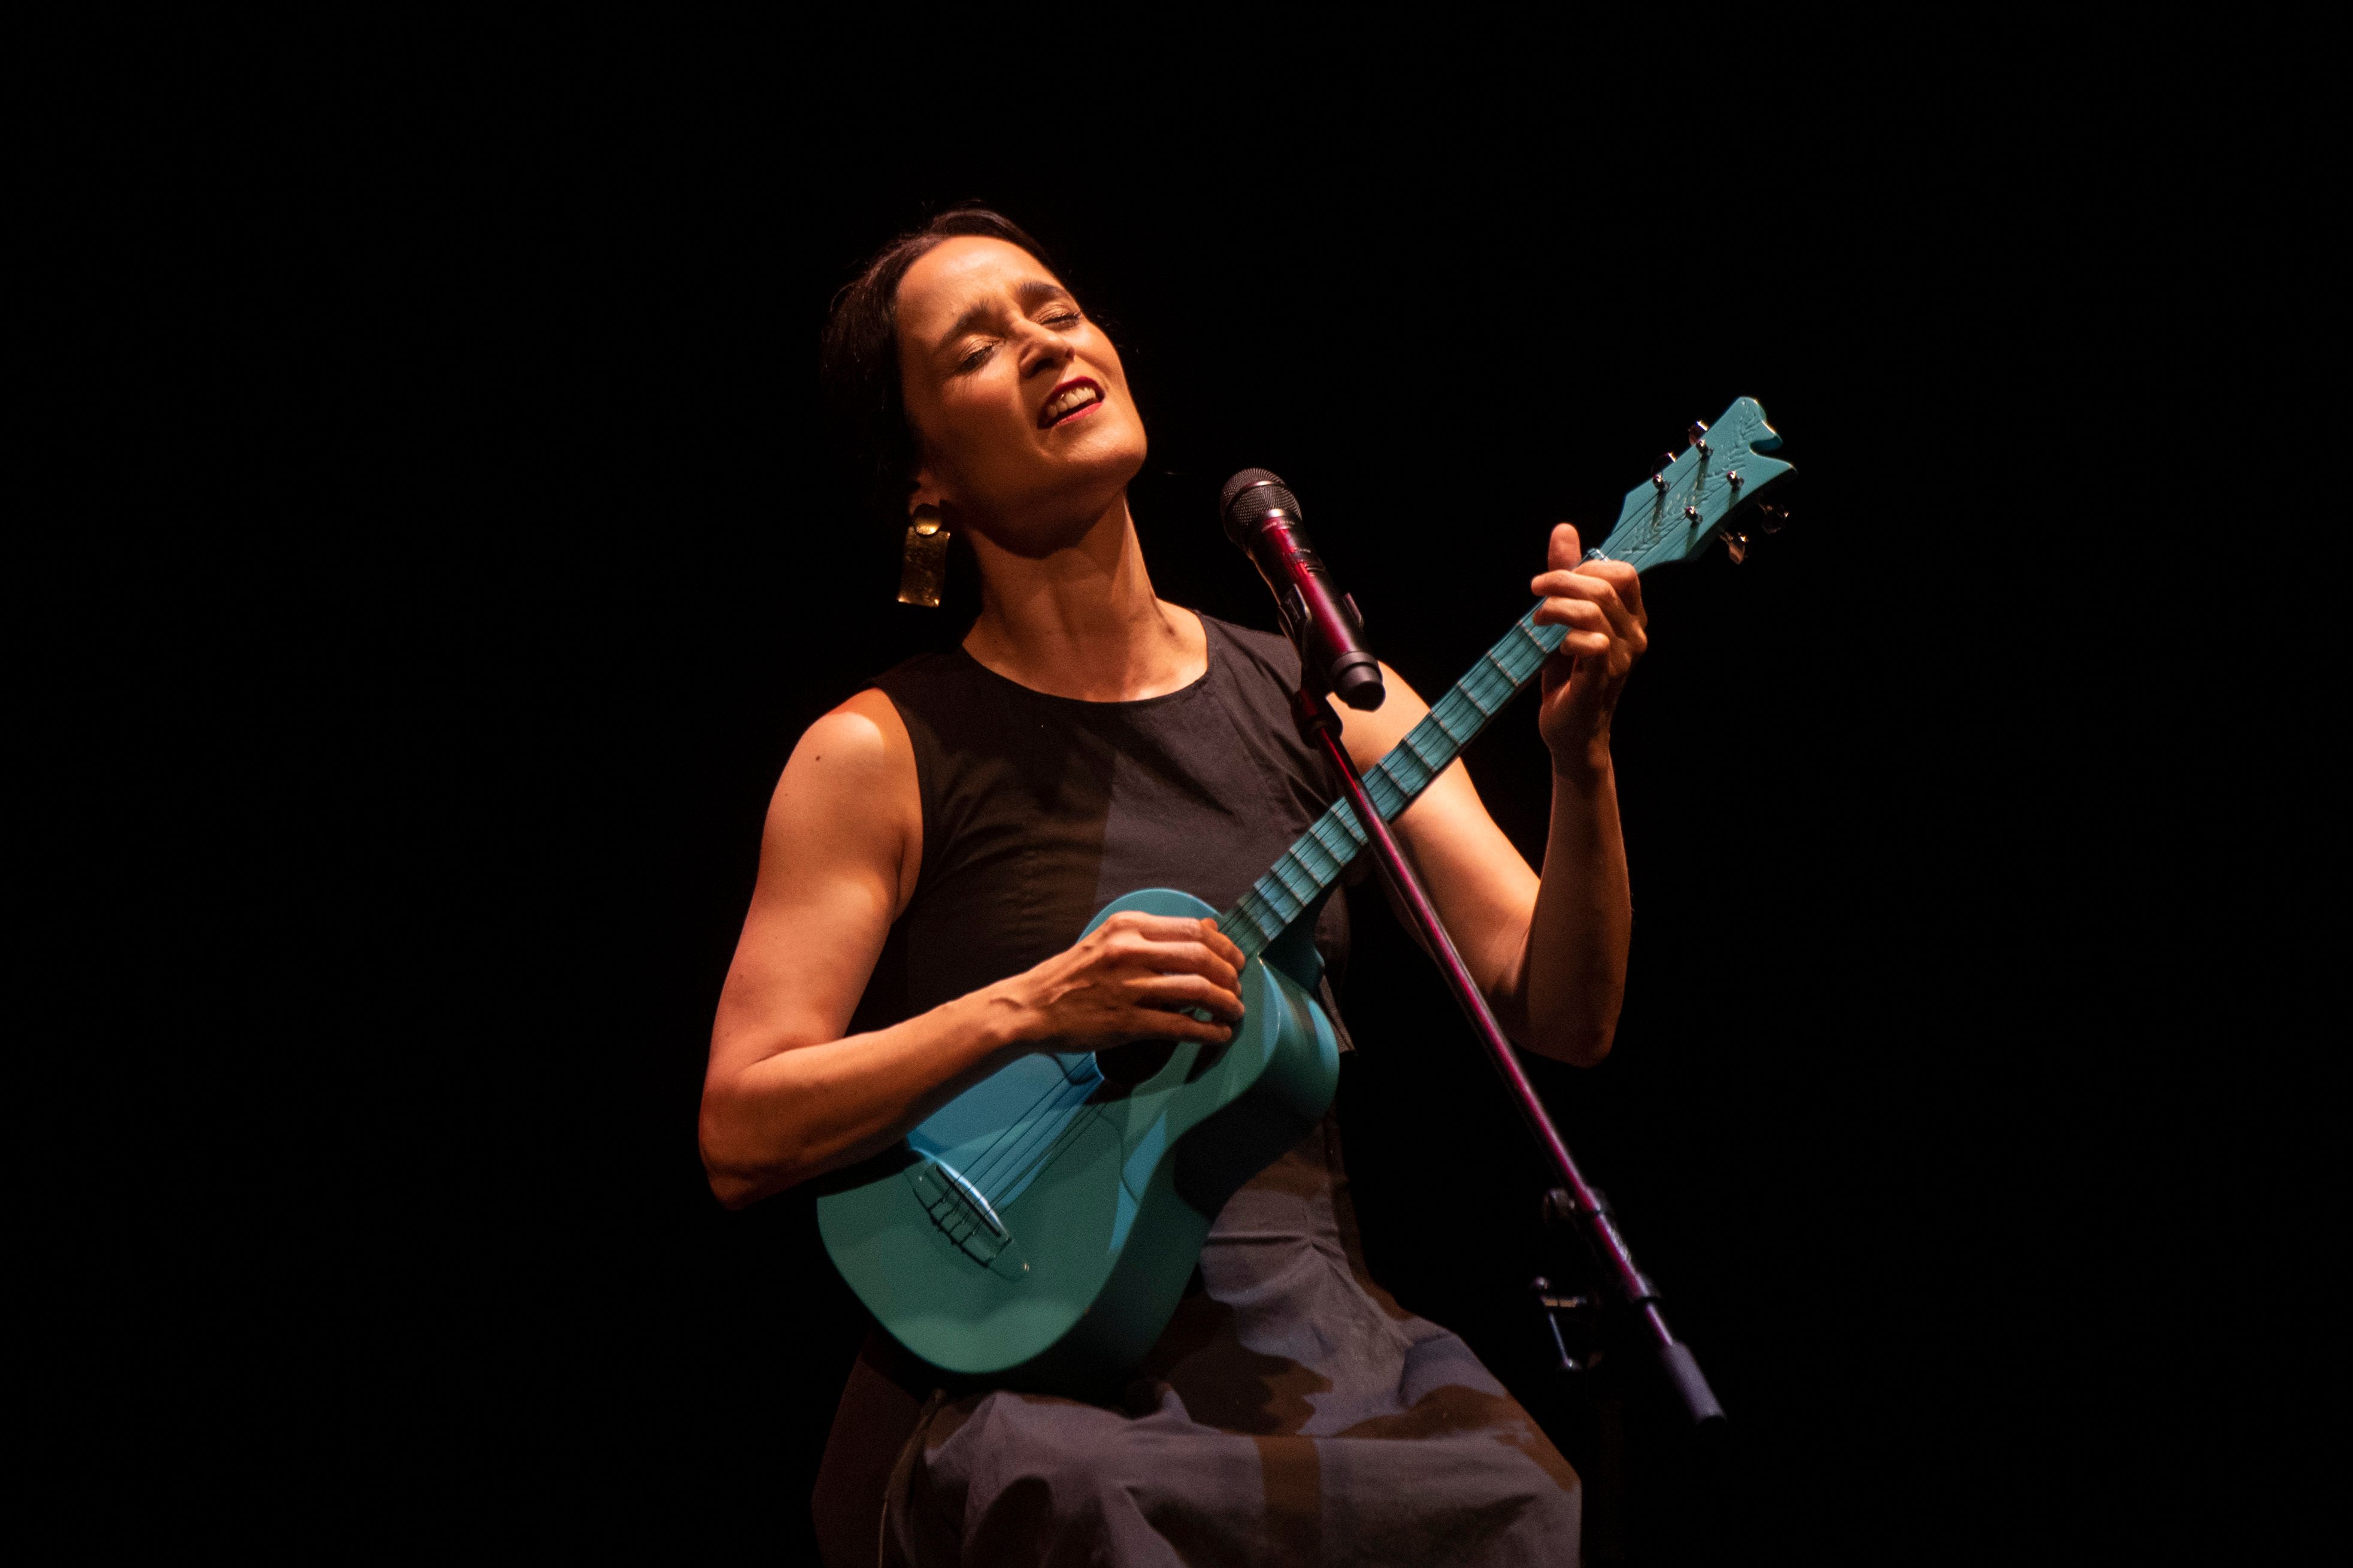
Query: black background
569	570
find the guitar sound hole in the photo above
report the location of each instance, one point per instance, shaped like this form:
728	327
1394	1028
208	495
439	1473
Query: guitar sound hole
1127	1066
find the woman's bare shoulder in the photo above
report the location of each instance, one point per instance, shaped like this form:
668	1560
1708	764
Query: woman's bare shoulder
849	792
865	734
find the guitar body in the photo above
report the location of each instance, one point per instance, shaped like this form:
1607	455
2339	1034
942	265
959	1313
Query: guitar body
1040	1229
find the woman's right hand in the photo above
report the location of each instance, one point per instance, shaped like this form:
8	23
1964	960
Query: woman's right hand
1130	979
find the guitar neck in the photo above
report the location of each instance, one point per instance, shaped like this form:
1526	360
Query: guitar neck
1317	857
1670	517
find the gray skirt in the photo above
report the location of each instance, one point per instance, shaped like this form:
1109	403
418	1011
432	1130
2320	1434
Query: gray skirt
1291	1414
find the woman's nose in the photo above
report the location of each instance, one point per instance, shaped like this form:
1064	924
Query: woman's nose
1045	350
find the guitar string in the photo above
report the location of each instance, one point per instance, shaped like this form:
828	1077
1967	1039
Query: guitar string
996	1173
1012	1125
1066	1131
1053	1150
1015	1124
1086	1115
1039	1156
1006	1146
1469	691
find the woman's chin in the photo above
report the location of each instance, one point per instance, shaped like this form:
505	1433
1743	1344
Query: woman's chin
1097	446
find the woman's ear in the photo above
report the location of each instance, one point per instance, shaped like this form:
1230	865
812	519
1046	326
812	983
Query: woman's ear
923	488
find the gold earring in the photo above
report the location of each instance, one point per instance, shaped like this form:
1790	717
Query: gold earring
924	566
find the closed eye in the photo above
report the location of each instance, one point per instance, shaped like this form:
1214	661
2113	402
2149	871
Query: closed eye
1061	317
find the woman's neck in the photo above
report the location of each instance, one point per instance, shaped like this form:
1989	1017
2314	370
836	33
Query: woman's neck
1083	621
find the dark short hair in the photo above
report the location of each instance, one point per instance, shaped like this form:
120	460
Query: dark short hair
857	359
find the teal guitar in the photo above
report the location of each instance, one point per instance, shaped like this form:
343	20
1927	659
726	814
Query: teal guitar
1040	1229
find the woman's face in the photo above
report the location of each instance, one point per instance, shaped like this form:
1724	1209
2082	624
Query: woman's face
1018	402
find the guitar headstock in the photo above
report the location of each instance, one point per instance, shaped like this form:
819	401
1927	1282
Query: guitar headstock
1681	509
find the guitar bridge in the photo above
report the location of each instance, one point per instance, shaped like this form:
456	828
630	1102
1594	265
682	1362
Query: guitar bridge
966	1218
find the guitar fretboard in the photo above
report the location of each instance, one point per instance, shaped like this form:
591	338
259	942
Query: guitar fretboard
1670	517
1315	859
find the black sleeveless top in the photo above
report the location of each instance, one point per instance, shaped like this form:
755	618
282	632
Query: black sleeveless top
1291	1411
1038	810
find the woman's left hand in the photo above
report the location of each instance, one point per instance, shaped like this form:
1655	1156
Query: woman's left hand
1600	603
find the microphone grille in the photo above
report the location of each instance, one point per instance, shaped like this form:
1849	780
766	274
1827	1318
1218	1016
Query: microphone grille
1249	496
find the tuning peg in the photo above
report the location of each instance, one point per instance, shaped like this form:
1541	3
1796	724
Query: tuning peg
1659	480
1691	514
1763	523
1698	434
1732	478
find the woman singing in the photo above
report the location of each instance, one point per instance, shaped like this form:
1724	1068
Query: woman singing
933	847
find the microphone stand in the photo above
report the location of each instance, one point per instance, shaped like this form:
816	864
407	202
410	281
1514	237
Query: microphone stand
1632	1289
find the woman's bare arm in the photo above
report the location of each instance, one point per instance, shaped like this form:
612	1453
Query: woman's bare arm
1549	952
786	1096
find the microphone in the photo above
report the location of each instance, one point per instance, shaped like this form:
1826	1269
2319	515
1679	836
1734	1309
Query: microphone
1261	517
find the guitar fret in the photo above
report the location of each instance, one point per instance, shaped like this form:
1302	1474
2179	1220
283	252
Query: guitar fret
1345	824
1310	852
1263	925
1472	690
1292	887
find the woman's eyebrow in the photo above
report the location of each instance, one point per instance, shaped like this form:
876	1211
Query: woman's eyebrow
1030	293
